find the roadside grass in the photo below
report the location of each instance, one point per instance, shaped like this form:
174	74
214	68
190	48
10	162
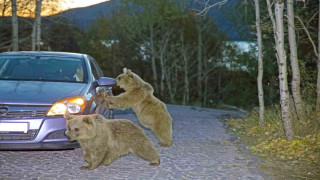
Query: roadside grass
269	142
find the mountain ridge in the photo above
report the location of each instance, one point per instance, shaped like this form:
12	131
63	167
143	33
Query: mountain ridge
84	16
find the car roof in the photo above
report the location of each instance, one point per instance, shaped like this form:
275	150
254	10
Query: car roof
43	53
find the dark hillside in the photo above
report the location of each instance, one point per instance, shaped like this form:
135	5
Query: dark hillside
221	16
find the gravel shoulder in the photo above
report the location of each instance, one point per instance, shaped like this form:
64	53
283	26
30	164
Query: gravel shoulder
202	149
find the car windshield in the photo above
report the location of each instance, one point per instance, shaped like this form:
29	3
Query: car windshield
35	68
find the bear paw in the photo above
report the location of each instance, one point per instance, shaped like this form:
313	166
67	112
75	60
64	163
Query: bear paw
155	163
165	144
103	94
85	168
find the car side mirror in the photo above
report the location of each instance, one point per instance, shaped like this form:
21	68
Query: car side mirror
106	81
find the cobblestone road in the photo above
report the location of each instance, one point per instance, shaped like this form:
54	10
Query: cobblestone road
202	149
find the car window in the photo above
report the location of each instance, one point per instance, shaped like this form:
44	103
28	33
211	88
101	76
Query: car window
62	69
95	69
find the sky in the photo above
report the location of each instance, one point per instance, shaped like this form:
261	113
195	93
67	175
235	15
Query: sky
28	8
69	4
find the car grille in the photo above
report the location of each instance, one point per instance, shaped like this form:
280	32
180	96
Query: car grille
23	114
29	136
56	135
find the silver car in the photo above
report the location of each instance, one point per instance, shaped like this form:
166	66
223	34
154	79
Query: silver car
36	88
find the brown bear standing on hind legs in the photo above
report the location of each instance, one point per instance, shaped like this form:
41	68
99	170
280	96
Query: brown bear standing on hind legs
138	95
102	141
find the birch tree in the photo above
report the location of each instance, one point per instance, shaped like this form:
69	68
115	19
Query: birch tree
277	22
36	29
185	58
318	64
295	84
260	65
15	28
199	63
153	59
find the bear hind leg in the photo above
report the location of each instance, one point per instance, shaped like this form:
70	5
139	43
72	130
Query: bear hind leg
147	152
164	134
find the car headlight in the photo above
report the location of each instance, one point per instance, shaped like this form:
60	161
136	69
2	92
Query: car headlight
74	105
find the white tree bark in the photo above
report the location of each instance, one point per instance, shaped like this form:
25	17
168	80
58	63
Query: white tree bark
282	65
185	69
162	49
153	60
295	84
318	78
15	28
36	29
199	65
260	65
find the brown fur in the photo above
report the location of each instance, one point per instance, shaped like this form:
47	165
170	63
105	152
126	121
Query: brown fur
138	95
102	141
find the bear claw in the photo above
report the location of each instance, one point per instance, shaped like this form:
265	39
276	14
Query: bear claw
155	163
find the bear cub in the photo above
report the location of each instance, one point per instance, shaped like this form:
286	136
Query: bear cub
102	140
150	111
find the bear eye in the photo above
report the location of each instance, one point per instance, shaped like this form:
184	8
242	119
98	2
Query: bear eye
119	78
76	129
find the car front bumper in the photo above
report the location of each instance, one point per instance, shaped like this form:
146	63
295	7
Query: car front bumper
43	133
33	146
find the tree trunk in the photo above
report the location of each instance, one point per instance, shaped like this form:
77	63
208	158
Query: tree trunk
15	28
282	65
33	36
113	57
260	65
318	78
169	85
4	7
38	18
36	29
298	103
163	72
199	67
153	61
163	47
205	93
185	69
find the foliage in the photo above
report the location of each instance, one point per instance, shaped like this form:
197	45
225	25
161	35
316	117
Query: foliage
269	141
302	148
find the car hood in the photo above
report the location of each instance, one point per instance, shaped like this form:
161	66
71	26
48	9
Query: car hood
37	92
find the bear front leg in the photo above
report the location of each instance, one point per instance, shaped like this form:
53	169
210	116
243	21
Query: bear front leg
118	102
96	159
86	155
110	157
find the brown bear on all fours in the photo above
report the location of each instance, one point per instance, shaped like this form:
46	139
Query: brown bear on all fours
138	95
102	141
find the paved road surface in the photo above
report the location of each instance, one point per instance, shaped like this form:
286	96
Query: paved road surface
202	149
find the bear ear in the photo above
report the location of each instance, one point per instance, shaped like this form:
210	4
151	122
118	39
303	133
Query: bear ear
67	116
129	73
87	120
125	70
